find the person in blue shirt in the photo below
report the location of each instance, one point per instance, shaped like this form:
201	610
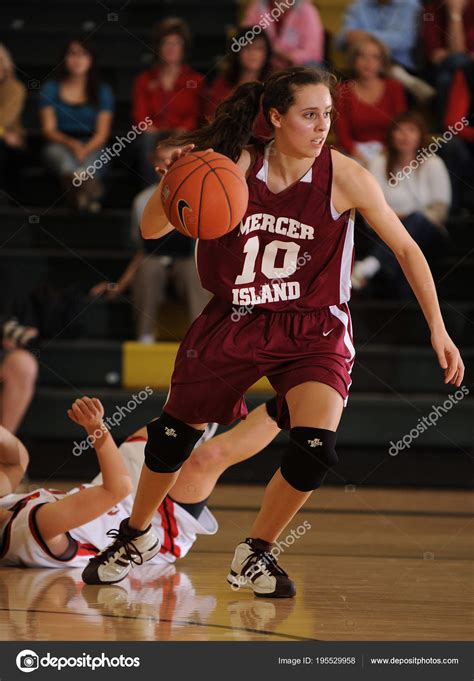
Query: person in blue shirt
395	23
76	111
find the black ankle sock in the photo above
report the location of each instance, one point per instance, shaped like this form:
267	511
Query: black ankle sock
193	509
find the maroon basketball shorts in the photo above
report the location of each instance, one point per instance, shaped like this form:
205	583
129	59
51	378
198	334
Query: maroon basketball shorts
225	352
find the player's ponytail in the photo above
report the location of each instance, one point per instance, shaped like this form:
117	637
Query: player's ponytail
231	129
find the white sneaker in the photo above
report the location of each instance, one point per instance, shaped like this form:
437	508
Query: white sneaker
129	548
254	567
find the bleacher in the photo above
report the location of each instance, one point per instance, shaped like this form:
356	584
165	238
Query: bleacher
395	380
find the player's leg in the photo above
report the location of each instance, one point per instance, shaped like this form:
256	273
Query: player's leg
315	411
13	461
206	464
19	371
159	475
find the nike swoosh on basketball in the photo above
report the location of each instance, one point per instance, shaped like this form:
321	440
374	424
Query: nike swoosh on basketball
328	332
182	204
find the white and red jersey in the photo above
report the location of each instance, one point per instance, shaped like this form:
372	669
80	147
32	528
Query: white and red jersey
292	251
22	544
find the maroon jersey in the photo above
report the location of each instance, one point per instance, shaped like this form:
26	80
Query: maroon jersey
291	252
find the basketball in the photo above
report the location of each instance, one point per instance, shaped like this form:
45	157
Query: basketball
204	195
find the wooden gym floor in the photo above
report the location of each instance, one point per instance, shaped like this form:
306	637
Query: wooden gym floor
377	564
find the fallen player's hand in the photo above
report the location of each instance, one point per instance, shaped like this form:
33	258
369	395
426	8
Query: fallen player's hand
88	413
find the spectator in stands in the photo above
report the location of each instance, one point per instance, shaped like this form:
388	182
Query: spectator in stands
296	33
251	62
418	190
368	103
169	93
395	23
12	100
76	111
458	153
18	372
155	261
448	33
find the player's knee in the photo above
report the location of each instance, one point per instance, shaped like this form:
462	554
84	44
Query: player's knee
309	456
170	443
20	366
208	457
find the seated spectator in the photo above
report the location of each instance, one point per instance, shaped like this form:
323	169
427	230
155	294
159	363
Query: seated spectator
18	372
76	111
420	194
296	34
12	100
367	104
394	23
251	62
458	153
168	93
149	271
448	35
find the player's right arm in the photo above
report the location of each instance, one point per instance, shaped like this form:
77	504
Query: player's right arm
74	510
154	223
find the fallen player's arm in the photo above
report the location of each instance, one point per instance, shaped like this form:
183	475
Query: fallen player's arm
74	510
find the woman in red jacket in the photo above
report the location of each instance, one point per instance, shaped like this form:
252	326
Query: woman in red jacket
251	62
168	93
368	103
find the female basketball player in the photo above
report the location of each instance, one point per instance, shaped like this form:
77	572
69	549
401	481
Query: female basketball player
289	266
48	528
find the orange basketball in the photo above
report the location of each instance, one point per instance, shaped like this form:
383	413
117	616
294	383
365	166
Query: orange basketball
204	195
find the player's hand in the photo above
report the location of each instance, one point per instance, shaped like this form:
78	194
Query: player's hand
88	413
176	154
449	357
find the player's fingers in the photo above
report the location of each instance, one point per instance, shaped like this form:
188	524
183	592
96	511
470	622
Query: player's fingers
73	416
99	406
458	378
81	407
90	404
453	359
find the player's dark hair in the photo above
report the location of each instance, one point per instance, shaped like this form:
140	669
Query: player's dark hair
232	127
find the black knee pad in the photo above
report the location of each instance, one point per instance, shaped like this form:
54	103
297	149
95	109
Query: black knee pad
309	456
271	407
170	443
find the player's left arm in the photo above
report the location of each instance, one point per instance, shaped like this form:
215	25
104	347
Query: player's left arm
362	191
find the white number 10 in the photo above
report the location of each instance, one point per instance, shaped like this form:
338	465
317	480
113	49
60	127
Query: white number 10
268	261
